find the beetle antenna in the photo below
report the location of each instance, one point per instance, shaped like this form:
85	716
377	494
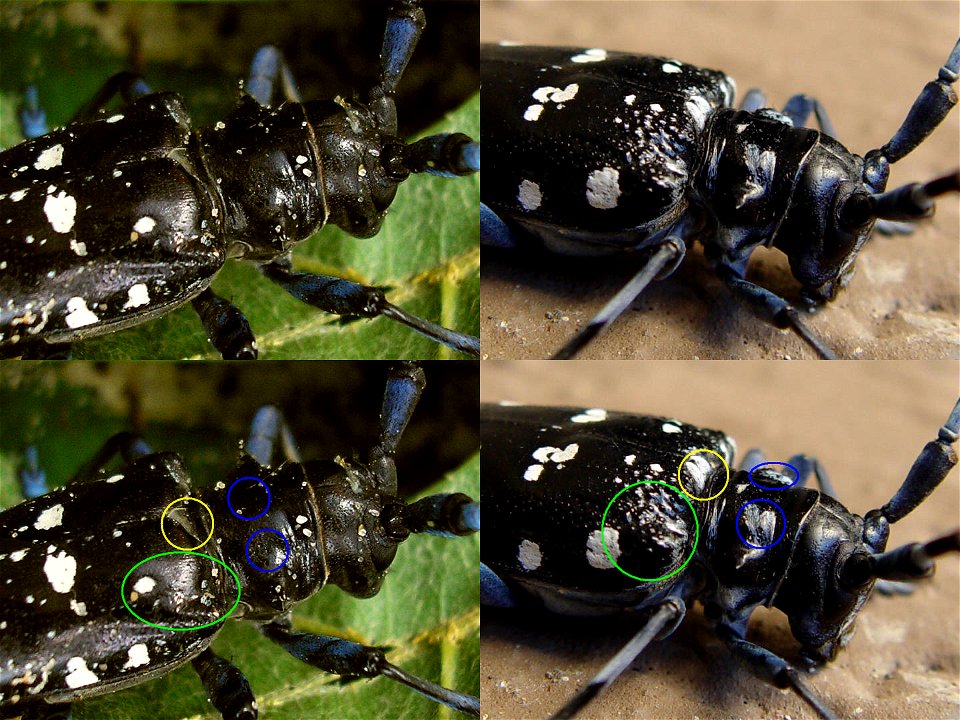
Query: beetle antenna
467	344
447	155
914	561
931	467
445	514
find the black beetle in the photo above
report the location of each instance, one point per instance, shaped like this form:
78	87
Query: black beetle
181	276
304	691
712	327
587	453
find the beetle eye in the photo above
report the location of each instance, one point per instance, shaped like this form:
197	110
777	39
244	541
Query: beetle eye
856	571
856	210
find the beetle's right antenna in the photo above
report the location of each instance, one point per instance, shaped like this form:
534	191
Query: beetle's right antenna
932	465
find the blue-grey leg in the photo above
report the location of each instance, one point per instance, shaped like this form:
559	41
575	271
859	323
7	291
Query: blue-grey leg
127	445
661	263
494	231
268	65
753	458
772	668
128	85
798	109
772	308
227	327
33	120
351	661
494	591
227	688
351	300
33	478
809	466
267	427
661	623
754	100
401	394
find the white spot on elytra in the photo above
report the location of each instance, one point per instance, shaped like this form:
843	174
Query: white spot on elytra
50	158
145	585
603	188
532	473
656	107
137	295
79	675
589	416
529	555
114	118
591	55
551	94
61	570
137	655
49	518
78	247
630	459
670	67
78	607
532	113
630	99
18	195
656	468
595	554
301	519
529	195
61	211
670	428
18	555
77	313
145	225
552	454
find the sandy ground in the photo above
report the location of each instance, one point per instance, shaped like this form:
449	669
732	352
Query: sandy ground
866	422
866	62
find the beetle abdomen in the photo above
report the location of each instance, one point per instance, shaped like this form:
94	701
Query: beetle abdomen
590	139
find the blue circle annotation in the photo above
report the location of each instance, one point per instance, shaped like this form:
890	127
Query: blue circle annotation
783	531
234	484
796	476
286	557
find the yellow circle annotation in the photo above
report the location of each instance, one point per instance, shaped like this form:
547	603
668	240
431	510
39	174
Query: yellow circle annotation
694	452
167	509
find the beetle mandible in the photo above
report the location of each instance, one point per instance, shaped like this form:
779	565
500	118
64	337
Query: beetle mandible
599	153
281	529
180	203
731	540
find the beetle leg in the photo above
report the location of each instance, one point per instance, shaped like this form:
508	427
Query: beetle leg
227	688
128	85
667	615
798	109
352	660
668	253
806	466
494	231
494	592
772	668
33	479
754	100
753	458
33	120
227	327
267	65
267	426
352	300
773	309
128	445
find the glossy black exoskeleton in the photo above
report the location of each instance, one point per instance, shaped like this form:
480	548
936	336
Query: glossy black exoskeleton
93	564
595	153
122	216
732	540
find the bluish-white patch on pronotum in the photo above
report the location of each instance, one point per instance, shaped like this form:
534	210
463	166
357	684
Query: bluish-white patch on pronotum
589	56
532	473
589	416
697	468
137	655
49	518
61	210
61	570
529	195
595	554
77	673
699	108
50	158
529	555
78	315
603	188
137	295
